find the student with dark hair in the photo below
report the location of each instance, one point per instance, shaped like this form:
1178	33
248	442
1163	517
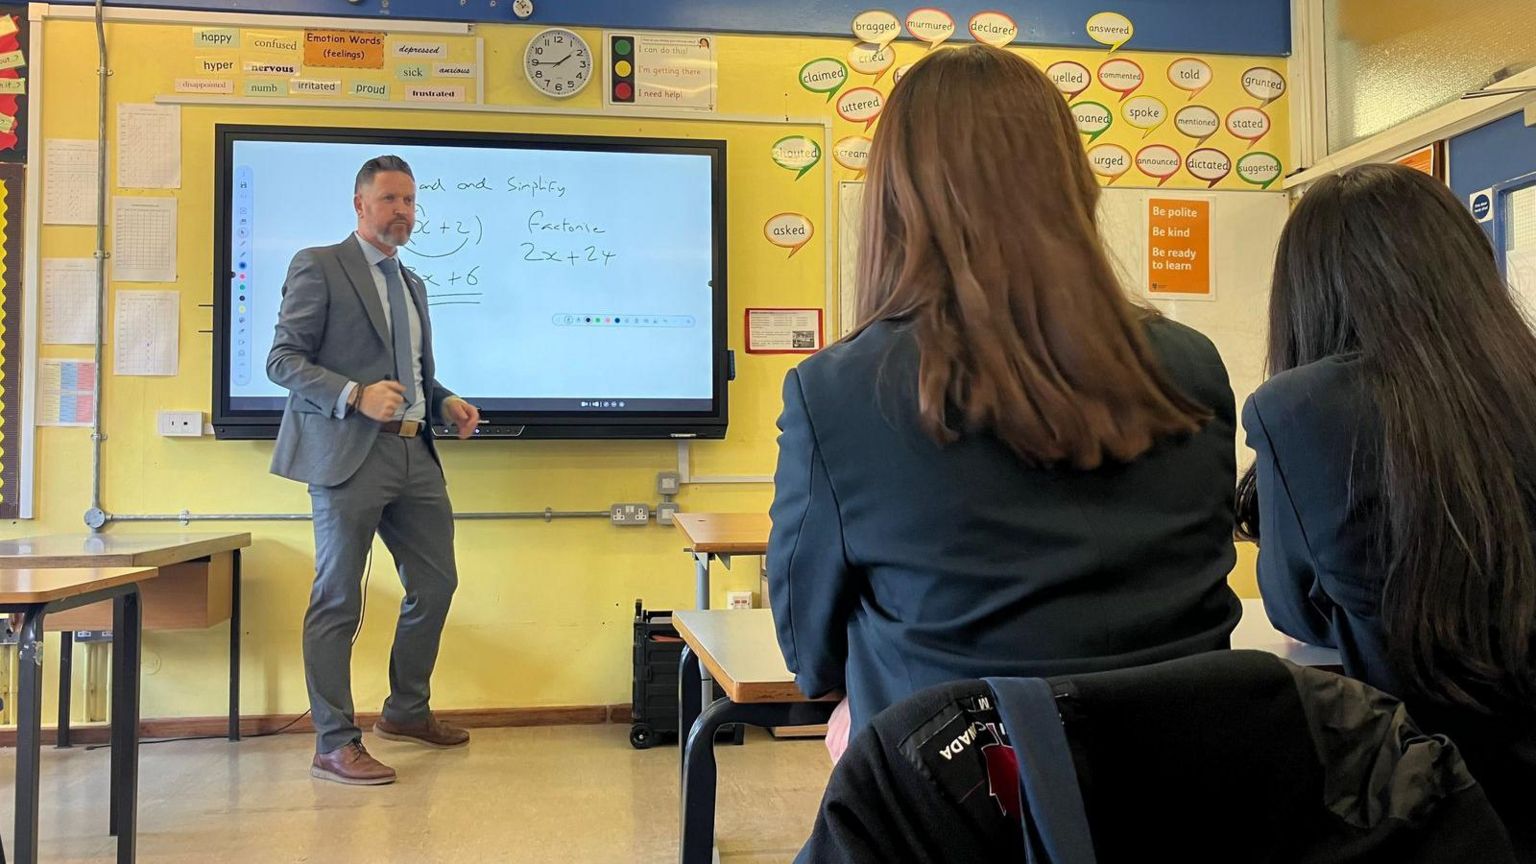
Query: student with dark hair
1007	468
1396	465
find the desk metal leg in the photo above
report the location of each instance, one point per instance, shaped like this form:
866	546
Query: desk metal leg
701	600
234	649
689	701
126	630
29	734
701	579
66	685
699	774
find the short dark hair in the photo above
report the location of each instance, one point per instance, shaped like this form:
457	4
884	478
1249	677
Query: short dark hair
377	164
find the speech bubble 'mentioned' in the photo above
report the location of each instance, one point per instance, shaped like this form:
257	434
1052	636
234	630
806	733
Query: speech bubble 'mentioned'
1197	121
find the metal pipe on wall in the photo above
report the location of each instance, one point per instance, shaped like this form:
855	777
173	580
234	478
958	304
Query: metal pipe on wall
547	515
97	434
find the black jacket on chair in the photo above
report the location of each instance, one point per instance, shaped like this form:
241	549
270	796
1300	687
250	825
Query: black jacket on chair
1317	433
896	564
1231	757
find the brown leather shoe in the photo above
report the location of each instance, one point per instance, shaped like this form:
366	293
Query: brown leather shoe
432	733
351	764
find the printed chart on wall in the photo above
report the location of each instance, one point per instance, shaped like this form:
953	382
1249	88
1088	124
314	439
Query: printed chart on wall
263	62
1159	120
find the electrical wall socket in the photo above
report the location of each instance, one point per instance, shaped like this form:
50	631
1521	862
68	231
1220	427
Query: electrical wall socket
665	511
630	515
668	482
180	424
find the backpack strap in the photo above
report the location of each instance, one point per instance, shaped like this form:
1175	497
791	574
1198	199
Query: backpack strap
1054	821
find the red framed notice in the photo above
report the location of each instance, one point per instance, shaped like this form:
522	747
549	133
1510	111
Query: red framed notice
783	331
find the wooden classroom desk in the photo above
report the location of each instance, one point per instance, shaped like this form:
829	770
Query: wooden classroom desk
35	595
741	652
713	536
197	586
740	649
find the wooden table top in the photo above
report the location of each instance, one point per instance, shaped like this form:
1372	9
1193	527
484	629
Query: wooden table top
725	533
115	550
57	583
740	650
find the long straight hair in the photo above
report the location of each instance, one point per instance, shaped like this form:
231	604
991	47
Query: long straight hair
1383	262
979	229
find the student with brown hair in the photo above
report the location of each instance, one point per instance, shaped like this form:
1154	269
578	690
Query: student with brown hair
1008	467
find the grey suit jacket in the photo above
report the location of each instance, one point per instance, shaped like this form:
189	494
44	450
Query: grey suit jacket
331	330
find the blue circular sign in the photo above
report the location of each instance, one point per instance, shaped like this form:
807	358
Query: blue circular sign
1482	205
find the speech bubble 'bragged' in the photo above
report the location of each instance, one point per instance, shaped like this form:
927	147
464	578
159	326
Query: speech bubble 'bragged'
877	26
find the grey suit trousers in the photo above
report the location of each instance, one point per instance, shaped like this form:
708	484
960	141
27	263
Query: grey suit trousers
400	493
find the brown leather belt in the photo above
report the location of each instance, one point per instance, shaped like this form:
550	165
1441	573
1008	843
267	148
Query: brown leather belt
403	428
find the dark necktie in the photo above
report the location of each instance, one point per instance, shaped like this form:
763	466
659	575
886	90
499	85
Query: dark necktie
400	327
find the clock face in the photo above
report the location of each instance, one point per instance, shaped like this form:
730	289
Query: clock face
558	63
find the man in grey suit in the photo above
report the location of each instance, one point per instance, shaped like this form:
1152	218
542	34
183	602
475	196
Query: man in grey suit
354	349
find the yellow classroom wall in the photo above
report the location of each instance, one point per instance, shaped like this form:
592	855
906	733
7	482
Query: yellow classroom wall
543	612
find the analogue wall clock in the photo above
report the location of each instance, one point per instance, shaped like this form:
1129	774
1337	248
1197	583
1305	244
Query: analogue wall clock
558	63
